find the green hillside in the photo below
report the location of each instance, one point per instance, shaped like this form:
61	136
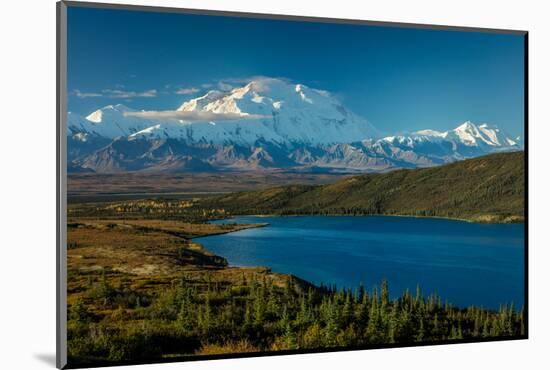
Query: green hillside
484	189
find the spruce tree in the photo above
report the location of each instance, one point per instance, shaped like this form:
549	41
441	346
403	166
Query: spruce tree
420	335
290	337
485	332
393	325
331	328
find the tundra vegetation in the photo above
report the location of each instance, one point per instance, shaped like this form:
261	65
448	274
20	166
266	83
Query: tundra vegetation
140	288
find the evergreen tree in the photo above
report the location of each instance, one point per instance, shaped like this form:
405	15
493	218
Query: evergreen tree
477	324
313	337
347	312
331	328
259	310
393	325
185	315
347	337
459	332
247	320
485	332
420	336
373	333
435	325
363	313
289	337
522	323
360	292
384	295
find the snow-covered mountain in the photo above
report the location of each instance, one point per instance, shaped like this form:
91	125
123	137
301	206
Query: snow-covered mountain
471	135
108	122
435	147
265	109
267	123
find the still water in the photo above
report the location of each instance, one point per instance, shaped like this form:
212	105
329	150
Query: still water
465	263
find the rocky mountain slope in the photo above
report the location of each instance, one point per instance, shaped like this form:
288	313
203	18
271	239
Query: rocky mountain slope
266	124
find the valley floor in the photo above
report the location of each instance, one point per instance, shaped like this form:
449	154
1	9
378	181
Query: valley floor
141	289
86	187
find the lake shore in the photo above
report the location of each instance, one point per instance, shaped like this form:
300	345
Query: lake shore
237	227
483	219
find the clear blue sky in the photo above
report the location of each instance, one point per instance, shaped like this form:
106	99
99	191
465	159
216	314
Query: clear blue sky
400	79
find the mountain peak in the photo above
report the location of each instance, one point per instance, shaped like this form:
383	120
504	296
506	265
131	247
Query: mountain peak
286	111
201	101
467	126
270	91
484	134
97	116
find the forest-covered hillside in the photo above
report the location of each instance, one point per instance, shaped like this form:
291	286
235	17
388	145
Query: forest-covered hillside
484	189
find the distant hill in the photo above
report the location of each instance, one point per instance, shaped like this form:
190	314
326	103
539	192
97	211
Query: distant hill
483	189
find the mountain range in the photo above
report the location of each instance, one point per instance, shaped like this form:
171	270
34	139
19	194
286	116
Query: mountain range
266	124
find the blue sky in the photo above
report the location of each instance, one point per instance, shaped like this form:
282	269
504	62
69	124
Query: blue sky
399	79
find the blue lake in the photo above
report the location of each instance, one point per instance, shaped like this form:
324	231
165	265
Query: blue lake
465	263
